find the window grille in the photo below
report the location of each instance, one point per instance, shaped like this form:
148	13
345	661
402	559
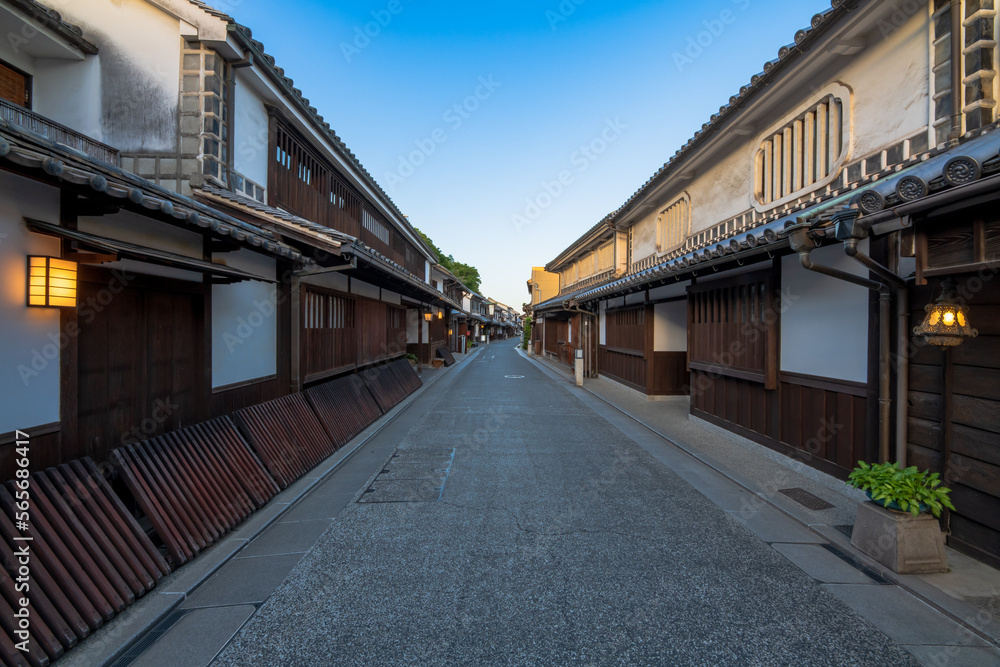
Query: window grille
673	225
804	154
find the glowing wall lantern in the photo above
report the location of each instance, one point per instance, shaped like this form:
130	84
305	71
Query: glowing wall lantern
947	322
427	316
51	282
440	314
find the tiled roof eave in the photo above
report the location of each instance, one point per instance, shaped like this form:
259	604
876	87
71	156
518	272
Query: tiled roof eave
31	152
53	20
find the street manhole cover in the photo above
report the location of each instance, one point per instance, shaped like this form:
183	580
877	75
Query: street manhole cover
513	377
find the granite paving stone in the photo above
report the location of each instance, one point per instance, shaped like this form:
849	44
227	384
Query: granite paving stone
557	540
196	638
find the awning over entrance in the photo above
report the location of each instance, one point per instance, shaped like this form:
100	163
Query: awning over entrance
126	250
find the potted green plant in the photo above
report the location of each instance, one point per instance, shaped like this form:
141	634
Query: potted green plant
898	527
901	489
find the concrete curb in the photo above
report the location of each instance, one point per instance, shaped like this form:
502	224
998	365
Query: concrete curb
960	612
113	641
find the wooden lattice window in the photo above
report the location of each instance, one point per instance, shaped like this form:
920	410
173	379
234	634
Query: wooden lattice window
378	229
15	86
606	257
625	329
328	311
802	155
733	328
673	225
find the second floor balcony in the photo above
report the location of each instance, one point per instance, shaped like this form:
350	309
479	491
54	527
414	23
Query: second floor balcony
29	120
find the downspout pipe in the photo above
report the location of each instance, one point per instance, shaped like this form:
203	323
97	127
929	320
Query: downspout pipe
851	233
892	282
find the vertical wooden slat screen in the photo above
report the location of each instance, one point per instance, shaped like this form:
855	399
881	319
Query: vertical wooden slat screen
343	331
733	324
329	335
13	86
625	329
195	484
286	435
89	558
672	226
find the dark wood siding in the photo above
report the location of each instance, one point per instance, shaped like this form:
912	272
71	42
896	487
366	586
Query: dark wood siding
340	332
670	376
957	431
227	400
46	449
626	366
141	361
732	328
302	182
816	420
556	333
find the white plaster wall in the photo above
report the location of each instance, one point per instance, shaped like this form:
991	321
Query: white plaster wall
890	79
134	228
29	337
140	69
824	328
250	132
245	323
644	238
412	318
69	92
16	57
670	326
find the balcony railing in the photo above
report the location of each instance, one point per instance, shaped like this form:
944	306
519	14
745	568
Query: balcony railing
50	129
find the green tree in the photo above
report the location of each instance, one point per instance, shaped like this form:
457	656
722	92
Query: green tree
468	274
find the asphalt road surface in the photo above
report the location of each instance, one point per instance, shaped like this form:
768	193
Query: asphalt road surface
513	525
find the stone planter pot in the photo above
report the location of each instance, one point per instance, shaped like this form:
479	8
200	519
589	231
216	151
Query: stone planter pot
904	543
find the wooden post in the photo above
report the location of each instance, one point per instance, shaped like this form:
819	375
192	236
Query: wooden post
647	345
69	354
420	340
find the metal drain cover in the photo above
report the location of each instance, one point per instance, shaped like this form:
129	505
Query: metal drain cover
806	499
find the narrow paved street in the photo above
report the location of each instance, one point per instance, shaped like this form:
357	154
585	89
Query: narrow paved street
555	540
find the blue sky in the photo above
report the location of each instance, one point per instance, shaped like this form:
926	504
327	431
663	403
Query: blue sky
504	130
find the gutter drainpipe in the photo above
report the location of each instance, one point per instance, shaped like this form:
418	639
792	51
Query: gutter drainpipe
851	232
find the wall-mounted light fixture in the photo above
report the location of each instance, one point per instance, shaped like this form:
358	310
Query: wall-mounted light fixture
440	314
427	316
947	322
51	282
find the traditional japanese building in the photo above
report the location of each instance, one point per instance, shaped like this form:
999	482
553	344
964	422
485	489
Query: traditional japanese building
775	267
